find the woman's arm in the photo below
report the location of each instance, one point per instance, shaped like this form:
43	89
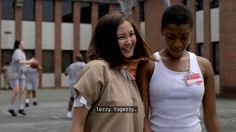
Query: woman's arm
79	119
209	98
144	72
27	61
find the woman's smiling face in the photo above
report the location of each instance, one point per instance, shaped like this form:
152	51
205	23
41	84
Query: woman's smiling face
126	39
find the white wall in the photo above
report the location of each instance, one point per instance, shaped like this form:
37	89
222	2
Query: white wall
7	34
48	80
199	27
67	38
48	35
28	34
217	84
214	25
142	28
64	81
85	36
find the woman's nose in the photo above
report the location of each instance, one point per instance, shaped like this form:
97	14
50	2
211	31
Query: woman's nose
177	44
128	40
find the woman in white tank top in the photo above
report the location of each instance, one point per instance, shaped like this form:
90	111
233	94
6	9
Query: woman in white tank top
174	87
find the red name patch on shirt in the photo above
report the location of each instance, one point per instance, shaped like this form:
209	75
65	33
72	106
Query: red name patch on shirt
192	78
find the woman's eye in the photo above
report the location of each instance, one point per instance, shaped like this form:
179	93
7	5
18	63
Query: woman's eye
121	37
131	34
170	37
184	38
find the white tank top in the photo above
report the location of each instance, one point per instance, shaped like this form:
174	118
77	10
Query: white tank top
176	97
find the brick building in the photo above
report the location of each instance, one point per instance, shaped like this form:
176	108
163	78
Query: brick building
59	29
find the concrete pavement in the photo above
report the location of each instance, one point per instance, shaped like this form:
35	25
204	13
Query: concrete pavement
49	115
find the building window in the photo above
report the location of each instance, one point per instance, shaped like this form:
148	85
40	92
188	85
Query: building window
67	15
84	54
200	48
141	11
28	10
199	4
67	57
48	61
216	57
185	2
214	3
85	16
29	54
103	9
48	10
8	9
6	56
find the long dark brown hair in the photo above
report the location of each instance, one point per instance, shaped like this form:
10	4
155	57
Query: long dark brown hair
17	44
104	43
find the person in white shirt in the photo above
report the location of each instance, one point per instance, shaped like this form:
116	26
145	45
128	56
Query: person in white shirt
72	71
17	77
174	87
32	84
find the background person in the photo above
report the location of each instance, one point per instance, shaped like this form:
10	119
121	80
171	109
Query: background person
72	71
17	77
32	84
5	70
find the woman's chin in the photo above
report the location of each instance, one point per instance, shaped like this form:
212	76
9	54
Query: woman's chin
128	55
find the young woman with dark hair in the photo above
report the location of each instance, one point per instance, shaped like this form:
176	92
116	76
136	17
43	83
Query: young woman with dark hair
174	87
106	84
17	77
